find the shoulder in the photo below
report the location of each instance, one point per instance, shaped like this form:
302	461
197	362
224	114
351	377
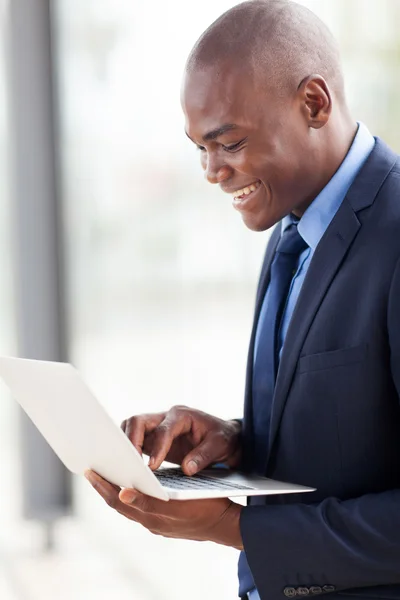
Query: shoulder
375	196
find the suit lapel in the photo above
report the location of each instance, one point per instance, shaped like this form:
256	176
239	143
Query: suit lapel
325	263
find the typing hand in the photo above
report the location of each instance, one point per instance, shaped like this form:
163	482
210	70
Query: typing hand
214	520
186	437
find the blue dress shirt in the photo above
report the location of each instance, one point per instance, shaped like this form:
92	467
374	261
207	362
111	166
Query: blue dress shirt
312	227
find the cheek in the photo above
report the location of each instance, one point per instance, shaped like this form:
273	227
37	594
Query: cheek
244	163
273	168
255	168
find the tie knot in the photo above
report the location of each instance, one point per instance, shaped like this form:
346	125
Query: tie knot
291	241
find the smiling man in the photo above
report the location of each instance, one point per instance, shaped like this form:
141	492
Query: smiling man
264	101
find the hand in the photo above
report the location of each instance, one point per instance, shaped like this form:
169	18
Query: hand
186	437
214	520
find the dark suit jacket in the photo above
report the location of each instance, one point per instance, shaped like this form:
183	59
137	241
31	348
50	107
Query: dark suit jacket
335	421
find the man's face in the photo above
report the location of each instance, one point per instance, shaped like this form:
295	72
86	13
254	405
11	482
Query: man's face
255	145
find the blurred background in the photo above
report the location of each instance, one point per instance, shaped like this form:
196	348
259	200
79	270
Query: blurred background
116	254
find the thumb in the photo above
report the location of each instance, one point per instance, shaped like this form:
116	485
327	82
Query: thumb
199	458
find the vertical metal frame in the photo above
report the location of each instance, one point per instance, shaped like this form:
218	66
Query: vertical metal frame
36	234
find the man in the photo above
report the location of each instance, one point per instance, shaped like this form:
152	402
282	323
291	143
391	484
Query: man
264	101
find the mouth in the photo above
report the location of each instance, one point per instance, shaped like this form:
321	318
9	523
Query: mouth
245	192
243	197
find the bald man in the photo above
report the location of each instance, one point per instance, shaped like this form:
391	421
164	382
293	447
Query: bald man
264	101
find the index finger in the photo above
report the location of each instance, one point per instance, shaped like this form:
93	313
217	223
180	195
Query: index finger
136	428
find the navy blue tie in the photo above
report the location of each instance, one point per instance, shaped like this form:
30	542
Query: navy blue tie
266	362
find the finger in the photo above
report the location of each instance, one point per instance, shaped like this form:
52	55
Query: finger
129	495
123	425
140	511
171	427
138	427
145	504
110	494
100	484
201	457
154	510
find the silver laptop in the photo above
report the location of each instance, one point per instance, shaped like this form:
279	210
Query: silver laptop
84	436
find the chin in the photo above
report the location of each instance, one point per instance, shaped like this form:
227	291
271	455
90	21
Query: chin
257	222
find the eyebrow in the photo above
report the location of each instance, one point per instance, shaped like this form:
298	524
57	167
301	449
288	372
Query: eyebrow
216	133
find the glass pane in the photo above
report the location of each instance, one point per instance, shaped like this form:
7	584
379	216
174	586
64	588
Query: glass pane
161	271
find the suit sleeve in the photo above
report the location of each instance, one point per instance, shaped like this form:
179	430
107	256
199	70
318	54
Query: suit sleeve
343	544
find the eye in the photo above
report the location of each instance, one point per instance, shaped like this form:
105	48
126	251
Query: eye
234	147
201	148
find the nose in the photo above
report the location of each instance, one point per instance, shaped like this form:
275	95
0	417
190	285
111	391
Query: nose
215	171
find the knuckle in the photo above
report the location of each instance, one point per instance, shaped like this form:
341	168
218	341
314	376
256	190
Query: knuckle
220	436
203	456
130	424
135	420
136	423
179	409
143	504
163	429
139	419
145	419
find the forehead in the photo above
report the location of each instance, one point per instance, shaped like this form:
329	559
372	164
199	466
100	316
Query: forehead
213	96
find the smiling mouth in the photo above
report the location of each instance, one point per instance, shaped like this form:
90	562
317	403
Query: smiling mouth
245	192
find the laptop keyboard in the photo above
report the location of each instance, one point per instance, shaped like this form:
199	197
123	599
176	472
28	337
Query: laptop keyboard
176	479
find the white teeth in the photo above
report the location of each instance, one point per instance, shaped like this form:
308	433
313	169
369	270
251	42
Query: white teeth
246	191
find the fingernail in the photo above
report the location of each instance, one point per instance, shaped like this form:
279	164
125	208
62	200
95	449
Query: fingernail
128	496
151	461
192	467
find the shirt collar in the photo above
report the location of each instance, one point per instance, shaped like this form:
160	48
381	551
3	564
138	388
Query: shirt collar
321	211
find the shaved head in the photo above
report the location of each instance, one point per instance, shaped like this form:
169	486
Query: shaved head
264	102
279	42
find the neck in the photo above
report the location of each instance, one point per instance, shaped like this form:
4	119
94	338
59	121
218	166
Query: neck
338	138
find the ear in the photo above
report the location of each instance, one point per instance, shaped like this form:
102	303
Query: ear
316	101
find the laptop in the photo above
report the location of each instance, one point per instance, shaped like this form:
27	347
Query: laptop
84	436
